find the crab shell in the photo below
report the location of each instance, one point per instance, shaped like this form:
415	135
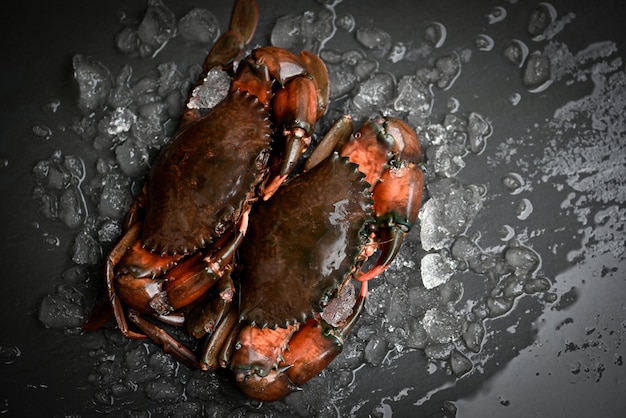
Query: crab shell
303	243
201	182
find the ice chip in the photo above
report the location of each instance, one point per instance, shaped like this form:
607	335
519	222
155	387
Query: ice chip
499	305
413	96
449	212
449	68
199	25
442	326
116	197
109	231
157	26
58	312
436	270
376	350
340	307
537	74
474	336
439	351
213	90
132	158
372	96
86	250
540	19
375	39
308	31
71	207
522	259
169	78
460	364
127	40
121	95
120	120
94	82
536	285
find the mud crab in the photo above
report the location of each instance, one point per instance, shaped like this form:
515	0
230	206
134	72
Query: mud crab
302	249
183	229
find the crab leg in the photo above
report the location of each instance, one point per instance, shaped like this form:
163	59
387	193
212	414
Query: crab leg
170	344
228	325
334	139
297	106
114	257
397	199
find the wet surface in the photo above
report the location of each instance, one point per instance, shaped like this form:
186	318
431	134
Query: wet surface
506	300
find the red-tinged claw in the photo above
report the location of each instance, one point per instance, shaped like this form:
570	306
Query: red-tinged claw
318	71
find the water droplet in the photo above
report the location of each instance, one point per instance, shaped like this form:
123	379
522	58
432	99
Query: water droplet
506	232
498	14
514	183
515	99
453	104
346	22
524	209
540	19
516	52
484	42
42	131
9	353
52	106
51	242
436	34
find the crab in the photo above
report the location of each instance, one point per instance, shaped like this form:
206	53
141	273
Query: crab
302	250
182	230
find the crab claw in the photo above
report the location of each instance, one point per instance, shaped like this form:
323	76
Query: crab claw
255	361
231	43
388	152
311	349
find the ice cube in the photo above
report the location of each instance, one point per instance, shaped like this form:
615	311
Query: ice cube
199	25
58	312
94	82
157	26
436	270
537	73
86	250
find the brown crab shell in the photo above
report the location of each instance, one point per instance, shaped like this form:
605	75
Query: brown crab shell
302	244
202	180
